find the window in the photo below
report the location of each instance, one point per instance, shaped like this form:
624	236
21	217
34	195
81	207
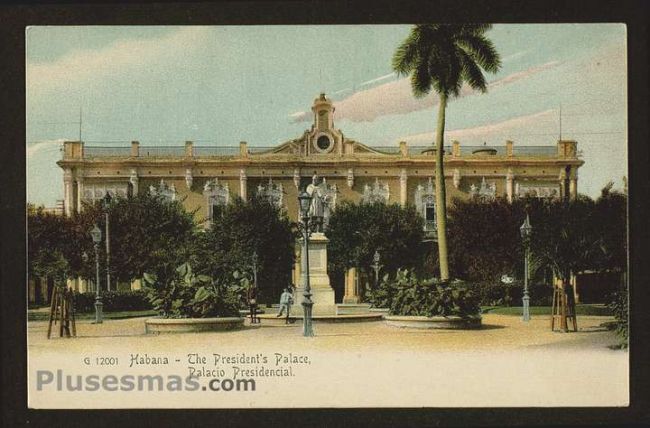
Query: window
377	192
217	196
425	204
272	191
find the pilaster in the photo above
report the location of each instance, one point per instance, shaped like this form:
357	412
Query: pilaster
243	183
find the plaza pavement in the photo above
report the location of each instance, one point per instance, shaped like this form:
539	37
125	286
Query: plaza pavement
499	332
506	363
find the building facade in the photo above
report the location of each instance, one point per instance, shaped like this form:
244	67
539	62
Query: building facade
207	177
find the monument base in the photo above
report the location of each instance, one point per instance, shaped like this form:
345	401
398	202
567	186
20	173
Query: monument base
323	299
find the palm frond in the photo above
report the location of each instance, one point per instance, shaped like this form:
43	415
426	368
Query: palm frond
477	29
481	49
421	80
471	72
405	57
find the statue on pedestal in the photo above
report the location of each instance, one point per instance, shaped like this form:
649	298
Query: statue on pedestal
317	207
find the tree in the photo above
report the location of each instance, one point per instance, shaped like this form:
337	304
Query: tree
611	217
443	57
565	237
147	234
485	242
245	228
50	245
356	231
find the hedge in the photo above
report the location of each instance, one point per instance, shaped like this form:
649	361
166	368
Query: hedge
114	301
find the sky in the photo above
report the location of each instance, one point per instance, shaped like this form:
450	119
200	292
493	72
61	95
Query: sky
222	85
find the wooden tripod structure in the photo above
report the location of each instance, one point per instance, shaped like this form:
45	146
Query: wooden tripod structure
62	311
564	309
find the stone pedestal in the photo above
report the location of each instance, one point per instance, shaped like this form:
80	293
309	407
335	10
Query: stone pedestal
351	287
319	280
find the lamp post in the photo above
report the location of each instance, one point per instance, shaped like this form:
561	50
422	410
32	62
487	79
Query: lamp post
96	235
254	263
526	230
376	266
306	226
106	202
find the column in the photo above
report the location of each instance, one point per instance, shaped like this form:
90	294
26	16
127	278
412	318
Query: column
296	272
562	180
456	178
242	183
403	181
351	287
133	179
573	184
67	192
510	179
80	192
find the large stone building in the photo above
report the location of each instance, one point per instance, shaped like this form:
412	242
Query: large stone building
205	177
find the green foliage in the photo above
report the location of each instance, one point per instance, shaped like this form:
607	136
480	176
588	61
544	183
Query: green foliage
566	238
484	239
245	228
51	245
444	56
611	215
147	234
493	293
113	301
406	294
618	304
357	230
184	294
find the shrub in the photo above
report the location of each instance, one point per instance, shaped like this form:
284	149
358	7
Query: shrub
619	307
244	230
493	293
113	301
406	294
183	294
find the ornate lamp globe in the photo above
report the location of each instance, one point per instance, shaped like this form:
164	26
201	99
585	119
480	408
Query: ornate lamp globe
526	228
96	234
305	201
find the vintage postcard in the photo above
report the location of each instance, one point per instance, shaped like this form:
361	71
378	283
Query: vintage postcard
339	216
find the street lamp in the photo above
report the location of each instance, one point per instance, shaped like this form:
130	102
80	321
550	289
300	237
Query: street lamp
106	202
306	226
376	266
526	230
96	235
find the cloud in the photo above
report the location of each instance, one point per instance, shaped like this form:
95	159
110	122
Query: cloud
378	79
515	55
520	75
506	128
40	146
396	97
82	66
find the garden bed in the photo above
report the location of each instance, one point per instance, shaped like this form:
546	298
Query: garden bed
437	322
192	325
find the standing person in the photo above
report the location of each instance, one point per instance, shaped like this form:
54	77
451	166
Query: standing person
252	304
286	300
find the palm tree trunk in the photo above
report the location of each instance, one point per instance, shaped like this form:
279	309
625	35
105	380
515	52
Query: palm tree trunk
441	206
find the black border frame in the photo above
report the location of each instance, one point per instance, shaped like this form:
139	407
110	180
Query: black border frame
16	17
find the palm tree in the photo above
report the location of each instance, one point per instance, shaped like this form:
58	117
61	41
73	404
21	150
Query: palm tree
444	57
